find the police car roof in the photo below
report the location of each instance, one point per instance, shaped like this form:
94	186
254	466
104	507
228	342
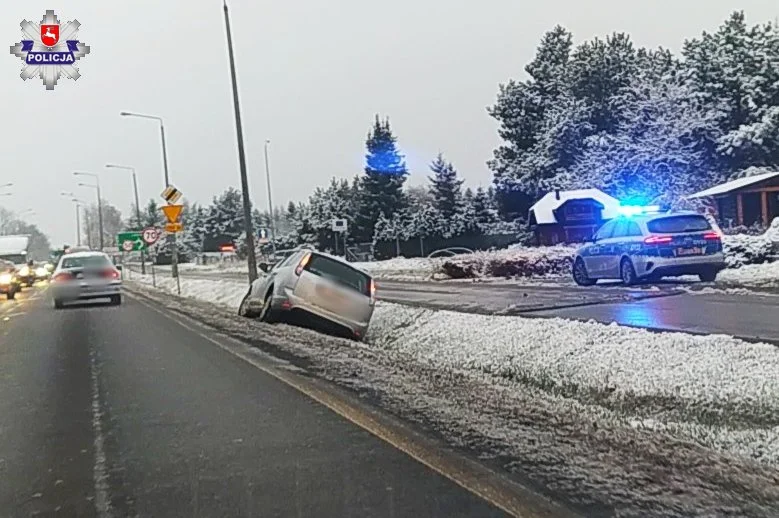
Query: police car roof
660	214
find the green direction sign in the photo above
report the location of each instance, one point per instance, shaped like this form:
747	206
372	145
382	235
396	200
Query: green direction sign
130	241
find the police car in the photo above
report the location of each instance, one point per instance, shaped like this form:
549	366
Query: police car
647	244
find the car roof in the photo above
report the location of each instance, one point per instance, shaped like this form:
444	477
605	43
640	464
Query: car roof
92	253
658	215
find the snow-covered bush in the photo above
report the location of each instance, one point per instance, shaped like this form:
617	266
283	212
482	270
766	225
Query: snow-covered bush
743	249
517	262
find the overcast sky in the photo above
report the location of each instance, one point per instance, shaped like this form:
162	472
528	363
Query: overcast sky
312	74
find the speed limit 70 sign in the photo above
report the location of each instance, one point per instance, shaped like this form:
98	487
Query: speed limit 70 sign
150	235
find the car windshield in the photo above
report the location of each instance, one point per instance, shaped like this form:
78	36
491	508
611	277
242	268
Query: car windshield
14	258
89	261
678	225
341	273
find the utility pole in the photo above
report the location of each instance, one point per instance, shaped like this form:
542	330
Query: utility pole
270	201
247	206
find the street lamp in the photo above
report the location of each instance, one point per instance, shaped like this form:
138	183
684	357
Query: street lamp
137	206
78	204
270	200
99	201
175	255
6	185
247	206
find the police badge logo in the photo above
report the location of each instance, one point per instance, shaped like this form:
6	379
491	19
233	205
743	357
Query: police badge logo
50	50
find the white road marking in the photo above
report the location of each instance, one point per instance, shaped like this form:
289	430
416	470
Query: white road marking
100	472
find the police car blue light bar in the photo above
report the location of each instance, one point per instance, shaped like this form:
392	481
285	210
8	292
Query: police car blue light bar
634	210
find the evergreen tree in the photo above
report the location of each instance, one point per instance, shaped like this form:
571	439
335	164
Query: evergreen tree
224	221
381	187
445	187
484	211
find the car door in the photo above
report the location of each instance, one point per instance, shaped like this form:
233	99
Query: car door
594	258
612	250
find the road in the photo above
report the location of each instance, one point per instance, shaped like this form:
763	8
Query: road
125	411
668	305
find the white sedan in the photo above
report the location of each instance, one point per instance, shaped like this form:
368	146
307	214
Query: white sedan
86	276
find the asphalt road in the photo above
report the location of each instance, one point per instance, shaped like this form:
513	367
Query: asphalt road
669	305
122	411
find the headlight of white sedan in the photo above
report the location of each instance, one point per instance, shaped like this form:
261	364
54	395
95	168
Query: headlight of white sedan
25	271
41	272
6	278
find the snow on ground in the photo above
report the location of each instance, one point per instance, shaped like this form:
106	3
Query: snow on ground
219	292
653	424
752	275
402	269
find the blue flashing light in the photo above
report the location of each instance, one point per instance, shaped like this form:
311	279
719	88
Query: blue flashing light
635	210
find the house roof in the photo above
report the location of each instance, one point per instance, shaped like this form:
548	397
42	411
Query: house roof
543	209
734	185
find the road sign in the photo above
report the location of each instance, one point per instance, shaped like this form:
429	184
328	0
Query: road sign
133	238
150	235
339	225
171	194
172	212
173	227
264	236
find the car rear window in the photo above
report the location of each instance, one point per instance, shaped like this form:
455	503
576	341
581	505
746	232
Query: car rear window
92	261
338	272
678	224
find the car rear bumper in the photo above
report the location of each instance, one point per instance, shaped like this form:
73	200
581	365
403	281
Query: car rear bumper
291	302
84	291
674	266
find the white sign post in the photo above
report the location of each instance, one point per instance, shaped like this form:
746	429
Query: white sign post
339	226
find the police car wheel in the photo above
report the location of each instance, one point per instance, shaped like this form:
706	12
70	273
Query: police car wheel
628	272
708	276
580	276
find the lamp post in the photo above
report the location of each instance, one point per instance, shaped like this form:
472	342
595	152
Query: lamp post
175	254
270	200
99	201
78	203
137	207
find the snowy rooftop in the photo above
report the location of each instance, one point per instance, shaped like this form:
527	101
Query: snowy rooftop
734	185
13	244
545	207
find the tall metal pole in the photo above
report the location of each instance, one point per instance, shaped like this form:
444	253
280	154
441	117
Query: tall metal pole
100	214
174	256
247	207
270	202
140	223
78	224
164	154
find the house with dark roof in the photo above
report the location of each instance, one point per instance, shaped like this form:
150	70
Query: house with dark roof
571	216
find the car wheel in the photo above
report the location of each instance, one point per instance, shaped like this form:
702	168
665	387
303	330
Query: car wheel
11	295
580	276
267	314
627	272
243	309
57	304
708	276
116	300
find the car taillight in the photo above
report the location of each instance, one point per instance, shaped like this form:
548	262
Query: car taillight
658	240
62	276
302	264
373	289
110	274
714	236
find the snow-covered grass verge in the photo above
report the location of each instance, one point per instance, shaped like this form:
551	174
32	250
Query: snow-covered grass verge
753	275
219	292
527	262
403	269
643	423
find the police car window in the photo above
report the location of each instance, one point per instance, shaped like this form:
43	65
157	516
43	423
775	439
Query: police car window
633	229
621	229
605	231
678	224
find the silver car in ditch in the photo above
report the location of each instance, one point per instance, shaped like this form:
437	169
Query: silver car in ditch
316	288
85	276
650	246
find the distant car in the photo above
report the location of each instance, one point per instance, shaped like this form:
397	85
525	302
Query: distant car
9	282
26	273
85	276
42	272
320	288
649	246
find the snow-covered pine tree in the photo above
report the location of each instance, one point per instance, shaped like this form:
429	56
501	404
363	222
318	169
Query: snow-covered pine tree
381	187
224	221
445	187
484	213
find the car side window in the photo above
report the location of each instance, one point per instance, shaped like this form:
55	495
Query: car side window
289	260
633	229
605	231
620	229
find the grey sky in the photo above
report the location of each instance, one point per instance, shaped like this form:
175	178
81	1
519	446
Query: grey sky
312	75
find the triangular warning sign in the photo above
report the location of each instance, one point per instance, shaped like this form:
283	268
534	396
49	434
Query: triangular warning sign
172	212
